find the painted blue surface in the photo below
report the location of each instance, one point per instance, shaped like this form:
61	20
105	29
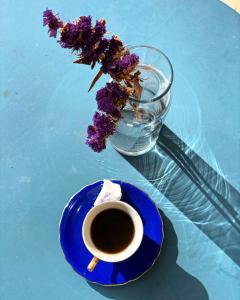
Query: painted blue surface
106	273
44	111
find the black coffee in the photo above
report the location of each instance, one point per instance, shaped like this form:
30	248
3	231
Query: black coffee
112	230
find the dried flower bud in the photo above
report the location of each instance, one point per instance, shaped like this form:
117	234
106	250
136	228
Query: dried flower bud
52	21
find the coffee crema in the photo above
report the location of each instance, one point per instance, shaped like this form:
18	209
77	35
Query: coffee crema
112	230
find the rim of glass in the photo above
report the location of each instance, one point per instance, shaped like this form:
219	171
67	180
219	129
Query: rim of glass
170	80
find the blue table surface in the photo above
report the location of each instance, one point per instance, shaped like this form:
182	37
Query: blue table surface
44	112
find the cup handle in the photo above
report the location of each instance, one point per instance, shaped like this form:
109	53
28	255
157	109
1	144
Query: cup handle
91	266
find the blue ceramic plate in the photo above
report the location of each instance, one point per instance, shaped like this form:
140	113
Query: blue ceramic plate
107	273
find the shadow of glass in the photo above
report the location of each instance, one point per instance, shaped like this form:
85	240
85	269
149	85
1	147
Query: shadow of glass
196	189
166	280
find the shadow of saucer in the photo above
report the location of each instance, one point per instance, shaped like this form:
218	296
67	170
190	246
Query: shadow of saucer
166	280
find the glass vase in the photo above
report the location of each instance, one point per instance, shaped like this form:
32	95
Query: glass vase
142	118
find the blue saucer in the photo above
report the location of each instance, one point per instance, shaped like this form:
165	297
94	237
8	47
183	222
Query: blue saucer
107	273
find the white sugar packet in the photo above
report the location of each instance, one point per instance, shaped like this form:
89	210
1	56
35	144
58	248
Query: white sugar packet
109	192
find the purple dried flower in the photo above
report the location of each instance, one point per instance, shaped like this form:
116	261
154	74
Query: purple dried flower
104	124
115	48
100	27
106	105
91	130
117	91
92	55
87	57
124	66
76	35
70	36
99	30
84	25
111	99
96	142
94	44
52	21
97	134
102	46
128	62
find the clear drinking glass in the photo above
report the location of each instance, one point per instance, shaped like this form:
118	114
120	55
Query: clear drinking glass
142	120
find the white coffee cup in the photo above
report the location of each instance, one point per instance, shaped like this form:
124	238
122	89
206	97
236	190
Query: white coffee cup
112	257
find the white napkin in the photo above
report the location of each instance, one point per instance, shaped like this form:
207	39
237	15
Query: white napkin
109	192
